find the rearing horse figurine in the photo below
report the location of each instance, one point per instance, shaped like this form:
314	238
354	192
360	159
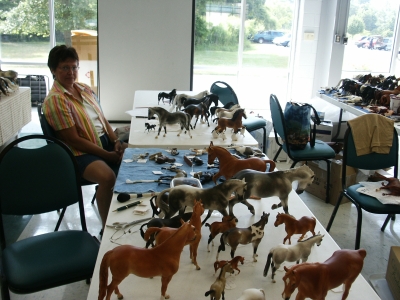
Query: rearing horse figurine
229	165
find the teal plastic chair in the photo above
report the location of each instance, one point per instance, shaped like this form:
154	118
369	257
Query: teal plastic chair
35	181
320	151
226	95
372	161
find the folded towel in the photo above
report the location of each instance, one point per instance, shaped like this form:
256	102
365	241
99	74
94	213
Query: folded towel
372	133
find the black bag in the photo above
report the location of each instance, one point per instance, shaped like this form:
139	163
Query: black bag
38	84
298	124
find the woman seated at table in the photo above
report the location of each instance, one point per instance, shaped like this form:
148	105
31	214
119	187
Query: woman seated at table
73	112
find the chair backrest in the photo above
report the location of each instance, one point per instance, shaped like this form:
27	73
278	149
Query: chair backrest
278	120
46	128
372	161
225	92
39	180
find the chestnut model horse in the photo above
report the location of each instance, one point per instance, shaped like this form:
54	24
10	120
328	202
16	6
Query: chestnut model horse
235	122
314	280
229	165
293	226
162	260
234	263
163	233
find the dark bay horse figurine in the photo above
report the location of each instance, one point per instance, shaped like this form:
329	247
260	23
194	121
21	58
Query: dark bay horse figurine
278	183
215	198
252	234
293	226
198	110
170	96
162	260
167	118
314	280
229	165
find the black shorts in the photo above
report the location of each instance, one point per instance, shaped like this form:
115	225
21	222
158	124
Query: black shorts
86	159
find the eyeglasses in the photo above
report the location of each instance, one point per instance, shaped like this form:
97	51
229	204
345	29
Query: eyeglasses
66	69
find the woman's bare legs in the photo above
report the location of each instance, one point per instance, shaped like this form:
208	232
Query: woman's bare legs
99	172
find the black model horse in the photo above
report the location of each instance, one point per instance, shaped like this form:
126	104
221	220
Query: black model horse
198	110
170	96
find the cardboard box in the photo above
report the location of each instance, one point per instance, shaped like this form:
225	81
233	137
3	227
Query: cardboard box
393	271
318	187
324	131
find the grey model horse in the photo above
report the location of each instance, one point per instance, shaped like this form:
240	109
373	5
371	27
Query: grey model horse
167	118
215	198
279	183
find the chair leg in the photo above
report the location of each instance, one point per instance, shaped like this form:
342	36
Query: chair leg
335	209
264	141
390	216
328	180
277	153
359	223
94	196
60	219
5	293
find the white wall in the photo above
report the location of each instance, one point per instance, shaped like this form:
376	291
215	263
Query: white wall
143	45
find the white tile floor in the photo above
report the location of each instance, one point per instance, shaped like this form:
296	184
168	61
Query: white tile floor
376	243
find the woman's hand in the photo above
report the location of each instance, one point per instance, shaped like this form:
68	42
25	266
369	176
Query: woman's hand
113	157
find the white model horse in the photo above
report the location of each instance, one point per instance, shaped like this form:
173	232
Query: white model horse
177	102
279	183
290	253
167	118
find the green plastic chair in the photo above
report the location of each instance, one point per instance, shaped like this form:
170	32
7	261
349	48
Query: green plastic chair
320	151
372	161
36	181
226	94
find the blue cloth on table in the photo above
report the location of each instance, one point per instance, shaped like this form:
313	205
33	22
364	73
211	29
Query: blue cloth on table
144	171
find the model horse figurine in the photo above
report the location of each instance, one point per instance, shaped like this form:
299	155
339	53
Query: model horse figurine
170	96
234	263
228	222
277	183
215	198
162	260
229	165
178	100
198	110
342	267
162	234
167	118
217	289
252	234
293	226
235	123
281	253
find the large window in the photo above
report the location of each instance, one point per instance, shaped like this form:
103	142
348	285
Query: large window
31	28
236	45
371	29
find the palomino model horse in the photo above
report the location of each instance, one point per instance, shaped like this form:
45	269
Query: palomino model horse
252	234
229	165
215	198
277	183
162	260
314	280
281	253
166	118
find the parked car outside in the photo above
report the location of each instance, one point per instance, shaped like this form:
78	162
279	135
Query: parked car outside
384	44
267	36
361	41
370	42
282	40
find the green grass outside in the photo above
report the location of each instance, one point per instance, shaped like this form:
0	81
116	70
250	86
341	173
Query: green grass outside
29	51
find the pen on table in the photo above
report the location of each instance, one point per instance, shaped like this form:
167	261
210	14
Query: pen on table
128	205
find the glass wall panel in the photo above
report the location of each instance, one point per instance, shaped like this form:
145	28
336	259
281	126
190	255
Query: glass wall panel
371	30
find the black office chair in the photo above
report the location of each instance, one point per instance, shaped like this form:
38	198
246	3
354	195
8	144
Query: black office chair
372	161
35	181
226	94
49	131
320	151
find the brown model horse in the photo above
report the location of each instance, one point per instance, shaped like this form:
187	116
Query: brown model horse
162	260
234	263
162	234
229	165
235	122
293	226
314	280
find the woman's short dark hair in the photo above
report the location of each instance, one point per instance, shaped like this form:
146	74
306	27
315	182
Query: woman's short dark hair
59	54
